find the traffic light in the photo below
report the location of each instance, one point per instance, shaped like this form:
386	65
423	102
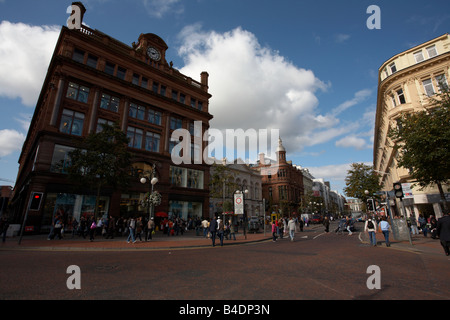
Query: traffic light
398	190
370	205
36	198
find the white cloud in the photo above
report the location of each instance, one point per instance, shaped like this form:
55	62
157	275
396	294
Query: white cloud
25	52
158	8
341	38
253	86
352	141
11	141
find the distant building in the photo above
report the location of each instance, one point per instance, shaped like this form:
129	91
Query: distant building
406	81
283	189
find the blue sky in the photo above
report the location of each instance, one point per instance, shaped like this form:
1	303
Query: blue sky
308	68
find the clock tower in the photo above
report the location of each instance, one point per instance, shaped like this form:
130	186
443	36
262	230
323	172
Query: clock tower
153	47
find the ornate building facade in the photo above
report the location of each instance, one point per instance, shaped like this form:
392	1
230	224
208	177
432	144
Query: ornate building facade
95	79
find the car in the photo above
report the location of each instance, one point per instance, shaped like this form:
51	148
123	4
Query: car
316	218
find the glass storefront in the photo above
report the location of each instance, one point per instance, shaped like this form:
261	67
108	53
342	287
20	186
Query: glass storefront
70	207
185	209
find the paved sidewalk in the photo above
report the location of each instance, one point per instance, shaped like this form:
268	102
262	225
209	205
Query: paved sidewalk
160	241
189	240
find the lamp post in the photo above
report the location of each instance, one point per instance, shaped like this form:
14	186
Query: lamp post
153	181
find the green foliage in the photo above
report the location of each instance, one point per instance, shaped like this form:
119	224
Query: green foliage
360	178
101	159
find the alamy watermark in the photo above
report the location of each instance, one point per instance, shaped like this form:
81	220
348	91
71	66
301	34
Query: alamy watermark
229	145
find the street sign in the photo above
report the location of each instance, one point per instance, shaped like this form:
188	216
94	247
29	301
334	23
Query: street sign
238	203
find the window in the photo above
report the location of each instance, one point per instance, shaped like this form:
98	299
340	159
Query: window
135	135
419	56
182	98
193	102
121	72
71	122
77	92
135	79
200	106
60	159
78	55
175	123
442	83
154	117
187	178
432	52
136	111
101	122
393	68
92	61
109	102
155	87
401	96
109	68
152	141
175	95
144	83
162	90
428	86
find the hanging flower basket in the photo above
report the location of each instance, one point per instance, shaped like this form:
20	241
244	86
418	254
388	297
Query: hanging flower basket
151	199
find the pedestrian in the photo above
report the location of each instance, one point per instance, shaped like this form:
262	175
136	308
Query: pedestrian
205	224
131	229
92	228
57	227
111	228
301	223
291	228
433	226
139	228
443	232
385	228
423	225
280	228
349	225
213	230
220	231
4	225
274	232
413	223
74	227
371	227
232	231
326	223
151	228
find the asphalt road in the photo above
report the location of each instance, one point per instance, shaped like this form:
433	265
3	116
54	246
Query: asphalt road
316	266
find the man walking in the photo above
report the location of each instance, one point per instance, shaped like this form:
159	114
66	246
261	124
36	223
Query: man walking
291	228
213	230
443	232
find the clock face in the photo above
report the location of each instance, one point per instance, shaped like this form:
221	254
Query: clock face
153	54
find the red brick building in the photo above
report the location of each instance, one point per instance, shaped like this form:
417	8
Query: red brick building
93	79
282	186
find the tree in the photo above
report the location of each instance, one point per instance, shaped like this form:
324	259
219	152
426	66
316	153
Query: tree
101	159
360	178
221	183
422	140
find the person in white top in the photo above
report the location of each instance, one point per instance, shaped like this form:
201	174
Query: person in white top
371	227
385	228
291	227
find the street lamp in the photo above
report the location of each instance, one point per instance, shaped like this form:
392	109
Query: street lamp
153	181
